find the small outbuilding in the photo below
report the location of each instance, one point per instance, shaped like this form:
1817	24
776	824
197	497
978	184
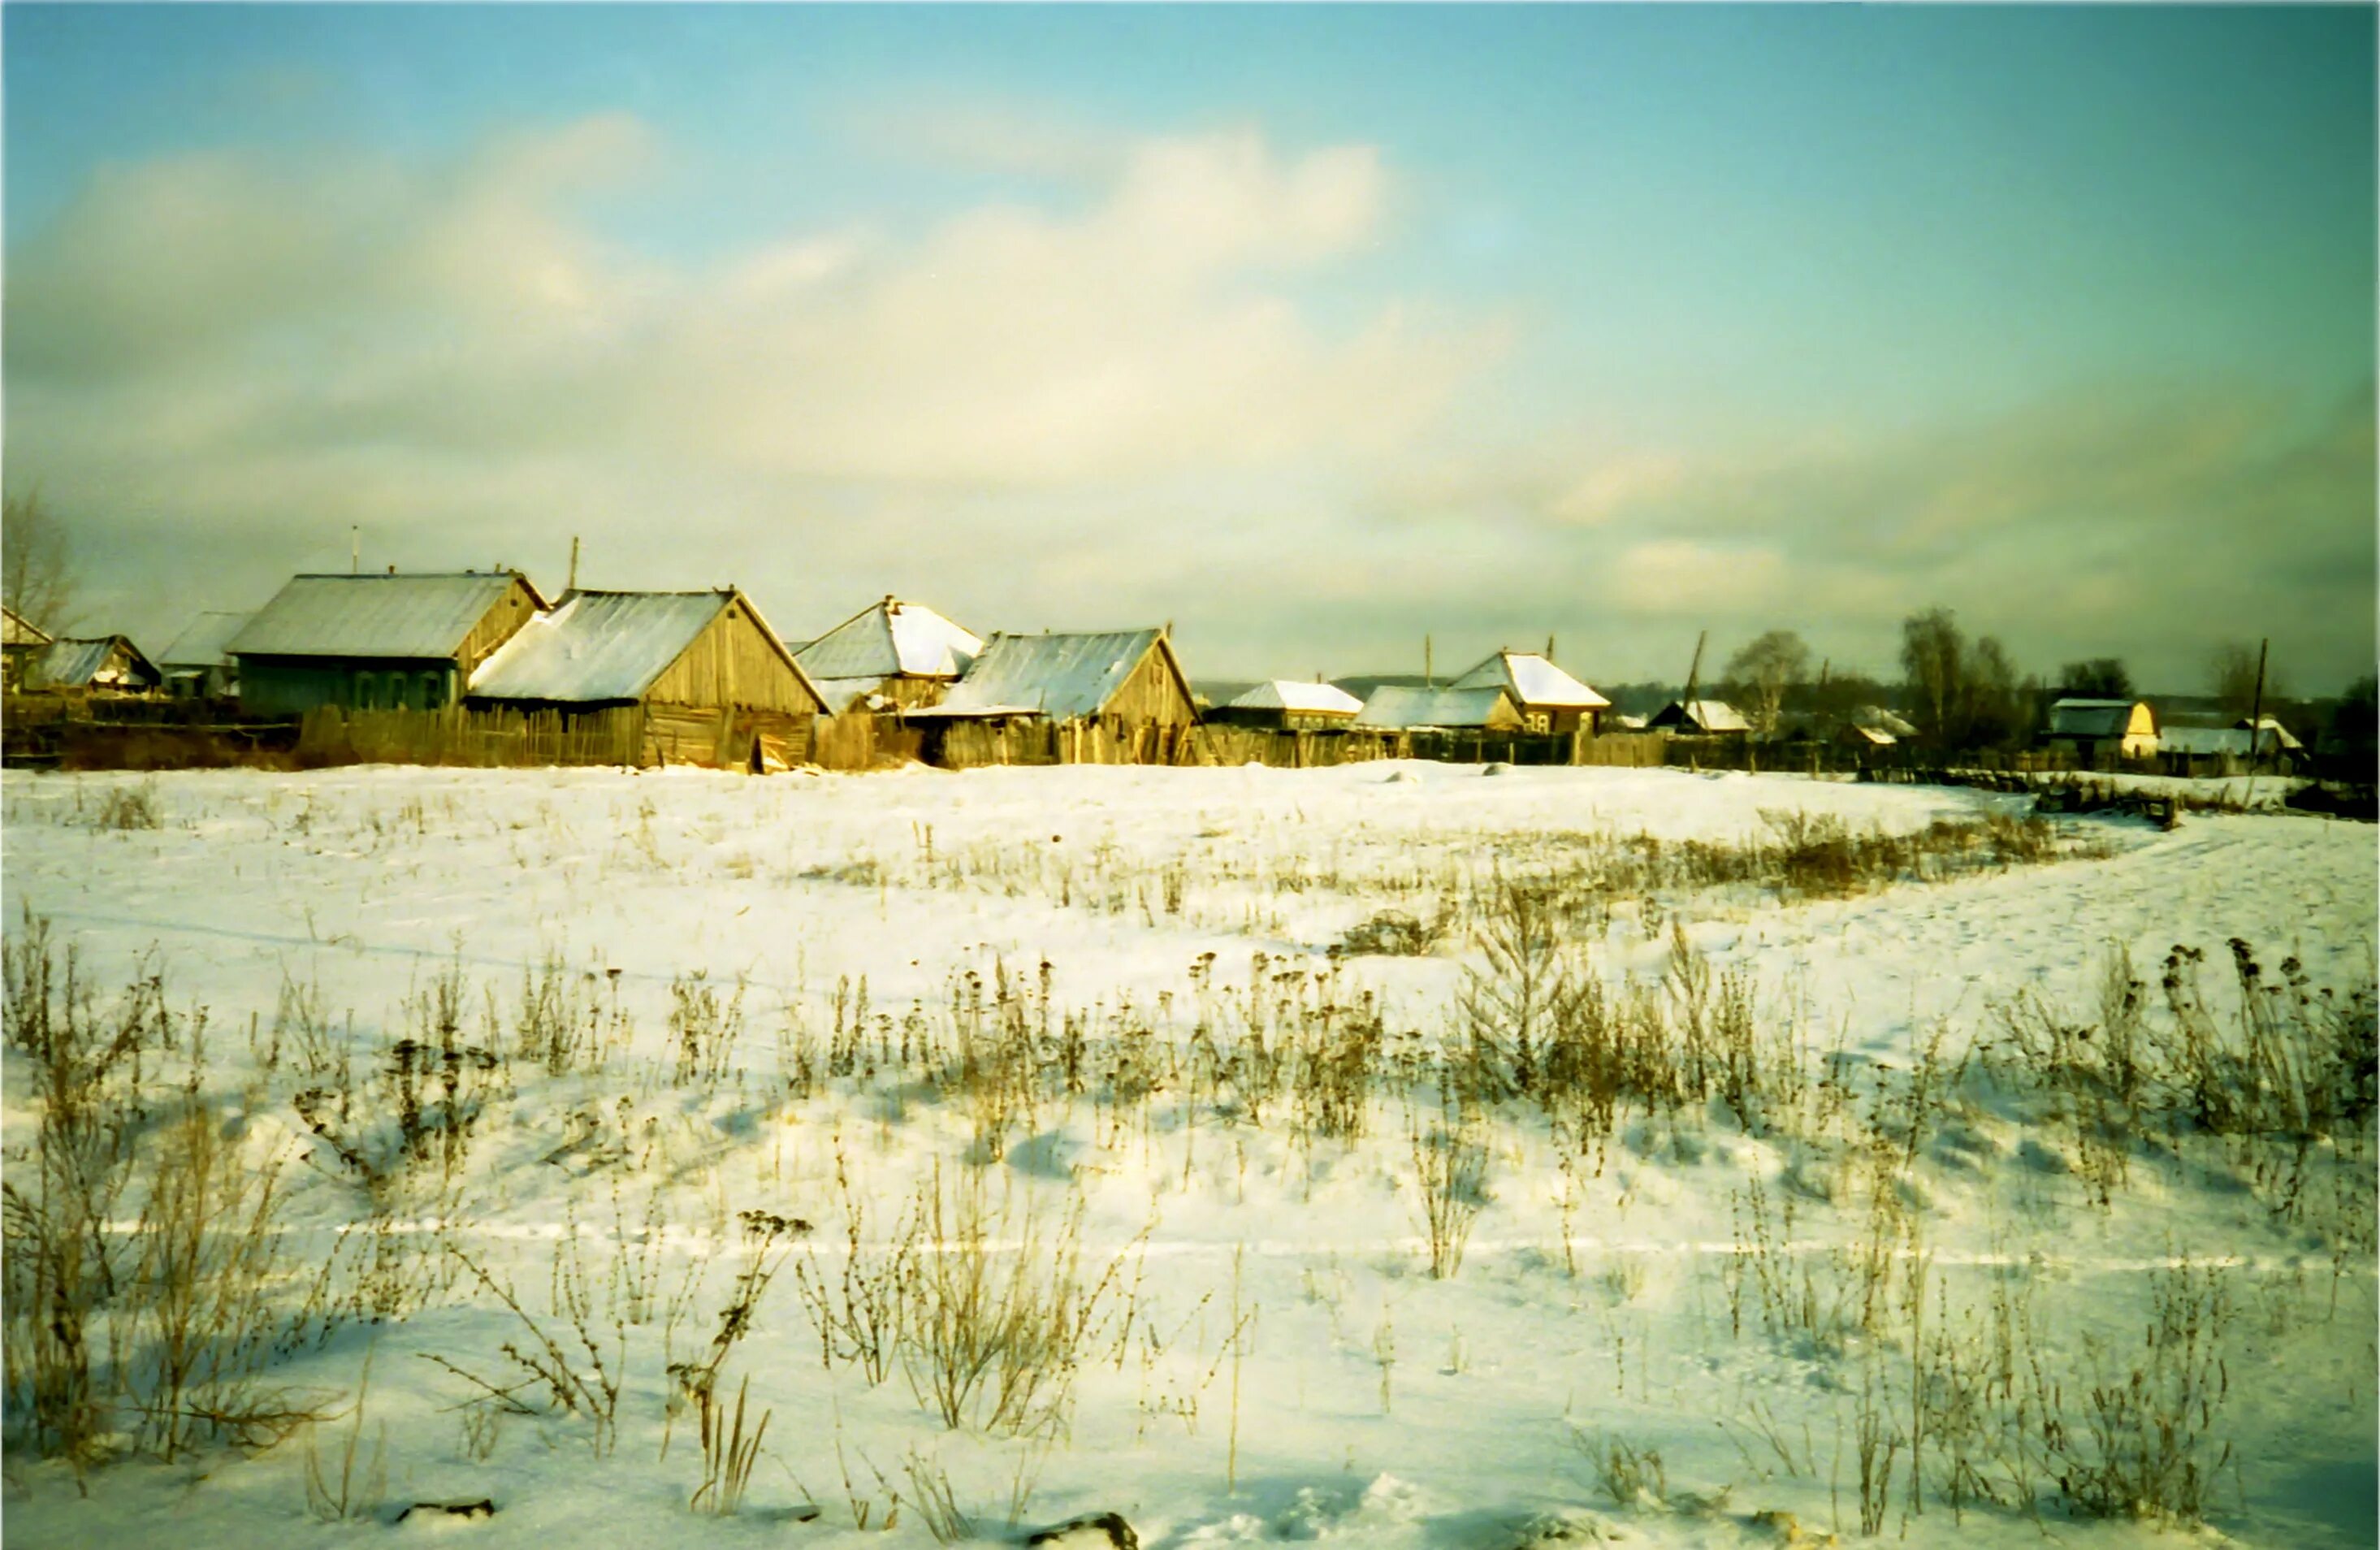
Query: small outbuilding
892	654
20	643
1711	718
2227	751
197	665
104	663
1402	708
1288	706
377	643
1549	699
679	678
2094	729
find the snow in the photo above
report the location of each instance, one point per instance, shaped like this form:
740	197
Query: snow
597	646
1369	1404
1291	694
1534	681
888	639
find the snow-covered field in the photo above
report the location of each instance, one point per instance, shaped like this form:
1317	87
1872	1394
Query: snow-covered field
1857	1197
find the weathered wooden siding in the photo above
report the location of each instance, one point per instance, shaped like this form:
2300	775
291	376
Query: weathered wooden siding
497	626
1152	695
734	661
725	738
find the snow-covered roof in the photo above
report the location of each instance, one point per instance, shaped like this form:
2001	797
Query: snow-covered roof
68	664
1876	718
2268	724
418	615
1288	694
1399	707
1061	676
201	642
15	632
1535	681
2209	741
597	646
840	693
891	638
1710	716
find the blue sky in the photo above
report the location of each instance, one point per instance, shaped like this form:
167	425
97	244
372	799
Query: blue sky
1611	321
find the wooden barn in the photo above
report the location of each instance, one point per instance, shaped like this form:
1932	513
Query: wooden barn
197	665
104	663
20	643
1125	687
1287	705
1710	718
1403	708
1549	699
2093	730
376	642
672	678
894	655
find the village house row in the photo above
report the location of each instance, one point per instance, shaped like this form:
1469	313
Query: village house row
700	677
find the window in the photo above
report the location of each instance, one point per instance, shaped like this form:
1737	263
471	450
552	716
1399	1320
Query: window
366	690
433	691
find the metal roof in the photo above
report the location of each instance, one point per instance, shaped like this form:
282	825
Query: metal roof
2233	740
417	616
2091	719
79	664
1289	694
890	639
1710	716
1400	707
597	646
1533	680
1061	676
202	642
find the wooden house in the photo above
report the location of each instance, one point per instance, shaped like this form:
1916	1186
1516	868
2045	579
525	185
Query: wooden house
2093	730
197	665
1712	718
2228	750
1124	689
1549	700
1403	708
1287	705
104	663
676	678
892	655
376	642
20	643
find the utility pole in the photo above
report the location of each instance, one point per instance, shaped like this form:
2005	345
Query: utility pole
1693	678
1549	645
1428	664
2256	718
355	548
572	585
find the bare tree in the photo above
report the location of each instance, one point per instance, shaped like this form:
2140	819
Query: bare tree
2231	678
1933	658
1764	669
37	566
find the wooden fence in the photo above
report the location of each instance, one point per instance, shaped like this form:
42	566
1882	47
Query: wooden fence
486	738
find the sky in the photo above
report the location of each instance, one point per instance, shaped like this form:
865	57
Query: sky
1312	331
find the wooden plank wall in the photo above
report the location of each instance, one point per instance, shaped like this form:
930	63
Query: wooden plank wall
499	739
496	627
732	663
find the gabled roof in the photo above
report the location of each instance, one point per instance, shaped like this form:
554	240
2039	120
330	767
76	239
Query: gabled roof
415	615
2274	728
889	639
1535	681
201	642
1709	715
1288	694
70	663
599	646
1876	718
1400	707
1061	676
2091	719
15	632
2233	740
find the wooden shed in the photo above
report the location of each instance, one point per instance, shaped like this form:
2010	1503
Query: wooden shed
1124	685
2097	730
1549	700
107	664
675	677
1714	718
20	643
892	654
1402	708
376	642
197	665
